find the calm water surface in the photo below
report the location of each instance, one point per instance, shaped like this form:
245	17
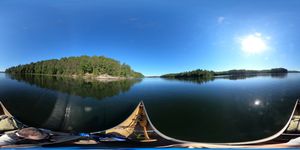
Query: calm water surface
219	110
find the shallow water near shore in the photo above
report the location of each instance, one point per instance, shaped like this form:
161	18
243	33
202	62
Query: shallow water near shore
223	109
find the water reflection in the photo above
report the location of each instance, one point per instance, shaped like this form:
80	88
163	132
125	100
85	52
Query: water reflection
257	102
245	76
79	87
65	104
216	110
201	80
58	111
279	75
73	113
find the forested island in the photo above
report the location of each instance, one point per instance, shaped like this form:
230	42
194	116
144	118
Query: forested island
98	67
209	74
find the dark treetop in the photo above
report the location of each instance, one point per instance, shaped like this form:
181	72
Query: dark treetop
96	65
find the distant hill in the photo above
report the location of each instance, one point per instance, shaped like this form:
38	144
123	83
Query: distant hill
251	72
293	71
208	74
83	65
152	76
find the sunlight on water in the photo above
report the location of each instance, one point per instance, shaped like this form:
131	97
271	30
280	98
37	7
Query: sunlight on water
218	110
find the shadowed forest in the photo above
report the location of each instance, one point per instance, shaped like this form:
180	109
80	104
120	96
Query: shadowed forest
95	65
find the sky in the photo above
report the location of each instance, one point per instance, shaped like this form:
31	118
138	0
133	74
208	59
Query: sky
154	36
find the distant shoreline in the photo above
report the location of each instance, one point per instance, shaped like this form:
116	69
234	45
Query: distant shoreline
218	76
230	75
241	72
152	76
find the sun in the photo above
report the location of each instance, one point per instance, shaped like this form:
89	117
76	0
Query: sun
253	44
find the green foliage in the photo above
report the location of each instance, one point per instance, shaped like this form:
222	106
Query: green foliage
279	70
77	66
204	74
252	72
190	74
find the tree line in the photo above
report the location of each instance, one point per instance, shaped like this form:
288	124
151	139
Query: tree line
252	72
95	65
190	74
209	74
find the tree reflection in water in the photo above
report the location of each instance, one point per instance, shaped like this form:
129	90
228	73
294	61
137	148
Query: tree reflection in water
201	80
79	86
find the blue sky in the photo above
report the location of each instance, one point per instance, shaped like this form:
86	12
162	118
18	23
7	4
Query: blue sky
154	36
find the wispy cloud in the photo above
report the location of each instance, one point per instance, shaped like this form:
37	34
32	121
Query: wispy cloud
221	19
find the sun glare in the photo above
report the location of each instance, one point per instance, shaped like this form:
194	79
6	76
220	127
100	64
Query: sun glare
253	44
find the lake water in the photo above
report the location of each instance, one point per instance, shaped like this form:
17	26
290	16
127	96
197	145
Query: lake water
218	110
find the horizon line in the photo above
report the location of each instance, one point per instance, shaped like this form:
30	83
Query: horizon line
201	69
